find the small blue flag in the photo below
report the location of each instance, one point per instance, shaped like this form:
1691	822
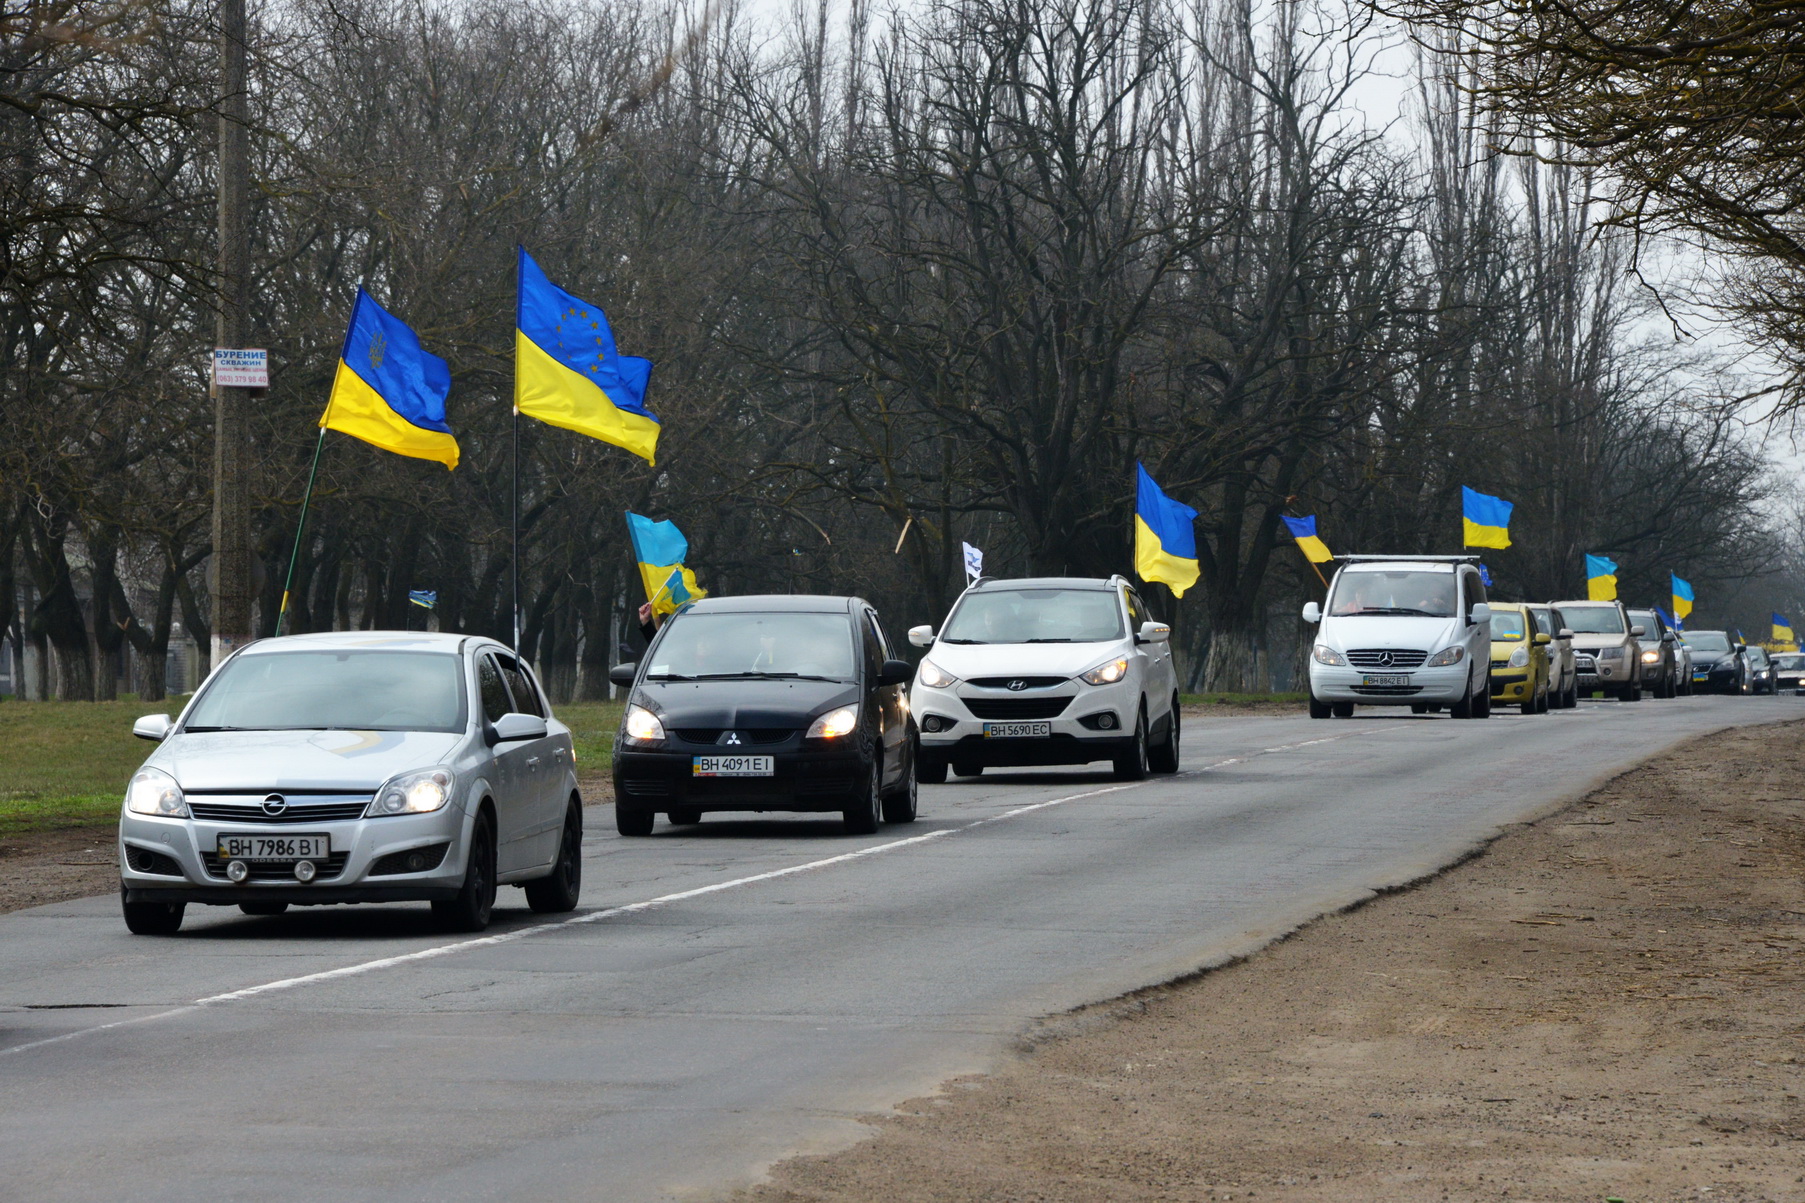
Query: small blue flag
1485	576
424	597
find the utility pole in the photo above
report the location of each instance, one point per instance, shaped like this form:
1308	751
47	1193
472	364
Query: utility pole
229	573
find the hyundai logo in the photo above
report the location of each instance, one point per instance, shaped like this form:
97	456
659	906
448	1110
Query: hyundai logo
1018	685
731	738
274	805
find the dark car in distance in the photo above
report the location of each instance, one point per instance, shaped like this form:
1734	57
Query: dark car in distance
1718	665
773	703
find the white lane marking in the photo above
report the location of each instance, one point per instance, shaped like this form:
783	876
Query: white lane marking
632	908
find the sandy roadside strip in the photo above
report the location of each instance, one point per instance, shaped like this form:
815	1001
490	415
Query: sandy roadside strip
1605	1004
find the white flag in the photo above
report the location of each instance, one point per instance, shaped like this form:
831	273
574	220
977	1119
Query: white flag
974	562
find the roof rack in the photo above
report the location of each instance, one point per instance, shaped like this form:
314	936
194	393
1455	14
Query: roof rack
1460	559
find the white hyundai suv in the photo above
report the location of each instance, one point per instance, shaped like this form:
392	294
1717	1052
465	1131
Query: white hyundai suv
1050	670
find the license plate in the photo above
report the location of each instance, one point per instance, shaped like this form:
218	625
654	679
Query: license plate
1016	730
1385	680
1701	674
733	766
275	847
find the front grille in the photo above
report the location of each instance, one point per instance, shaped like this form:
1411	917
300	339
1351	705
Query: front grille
1376	657
264	870
751	735
414	860
297	812
1026	682
143	860
1016	708
1389	691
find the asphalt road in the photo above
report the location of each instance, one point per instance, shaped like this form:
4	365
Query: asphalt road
732	993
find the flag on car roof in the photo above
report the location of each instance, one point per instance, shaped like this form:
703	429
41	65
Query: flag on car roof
1165	547
661	549
1485	519
1601	579
567	371
974	561
388	391
1304	531
1682	597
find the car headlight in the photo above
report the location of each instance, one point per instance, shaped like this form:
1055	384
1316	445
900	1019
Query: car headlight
1327	655
154	792
1651	657
1107	673
1447	656
834	723
1609	653
411	794
934	677
642	726
1519	658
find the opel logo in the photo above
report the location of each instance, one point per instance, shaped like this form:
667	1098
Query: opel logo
731	737
274	805
1018	685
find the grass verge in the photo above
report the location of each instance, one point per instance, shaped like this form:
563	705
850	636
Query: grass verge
1242	699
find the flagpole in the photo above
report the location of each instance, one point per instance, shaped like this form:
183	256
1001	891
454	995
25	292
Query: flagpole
300	526
516	607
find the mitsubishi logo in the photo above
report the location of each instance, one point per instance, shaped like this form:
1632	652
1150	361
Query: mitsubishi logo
1018	685
274	805
731	738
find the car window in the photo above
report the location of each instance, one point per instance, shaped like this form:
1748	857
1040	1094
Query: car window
1757	657
1475	588
1789	661
884	650
1137	613
1594	620
1538	622
526	698
1507	625
1406	591
1557	621
1707	641
333	690
757	644
1648	621
1050	615
495	693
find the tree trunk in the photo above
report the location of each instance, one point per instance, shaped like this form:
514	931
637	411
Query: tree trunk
1232	666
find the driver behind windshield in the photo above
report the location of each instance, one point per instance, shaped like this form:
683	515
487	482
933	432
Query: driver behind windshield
1409	593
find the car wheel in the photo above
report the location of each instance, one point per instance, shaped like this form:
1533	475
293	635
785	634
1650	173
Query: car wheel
1419	708
1132	764
685	816
900	804
1529	706
631	819
263	908
1482	701
475	901
1164	759
866	810
152	918
930	767
1343	709
1546	701
1319	709
1463	708
558	891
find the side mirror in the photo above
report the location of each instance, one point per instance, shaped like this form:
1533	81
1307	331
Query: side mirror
514	726
921	636
154	727
1668	637
1153	632
1543	640
895	672
1566	633
1312	613
1638	631
1481	612
1741	647
623	674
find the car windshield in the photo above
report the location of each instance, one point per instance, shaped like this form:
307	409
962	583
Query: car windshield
1707	641
1593	620
1035	616
1646	620
754	646
1405	591
333	690
1789	661
1507	626
1757	657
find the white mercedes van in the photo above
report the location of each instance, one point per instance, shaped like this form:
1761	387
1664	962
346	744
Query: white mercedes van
1402	631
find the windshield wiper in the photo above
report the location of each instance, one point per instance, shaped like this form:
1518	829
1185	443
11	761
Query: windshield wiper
670	677
1052	641
964	641
1398	610
757	675
192	730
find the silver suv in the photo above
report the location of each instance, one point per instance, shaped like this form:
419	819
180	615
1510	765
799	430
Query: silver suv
1606	651
359	767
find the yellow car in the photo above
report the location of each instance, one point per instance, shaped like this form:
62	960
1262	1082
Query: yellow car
1519	659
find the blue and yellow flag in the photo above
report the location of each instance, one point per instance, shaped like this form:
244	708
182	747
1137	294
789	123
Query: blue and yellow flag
1601	579
1165	547
1485	519
1682	597
567	372
1782	630
660	549
389	392
1304	531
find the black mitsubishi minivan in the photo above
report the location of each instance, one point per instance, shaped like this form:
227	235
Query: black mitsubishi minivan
763	703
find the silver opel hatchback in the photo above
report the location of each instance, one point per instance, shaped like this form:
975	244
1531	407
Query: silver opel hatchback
363	766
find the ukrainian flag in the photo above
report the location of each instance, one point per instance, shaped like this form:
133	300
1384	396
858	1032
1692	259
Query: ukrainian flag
389	392
1682	597
660	549
1485	519
567	372
1782	630
1601	579
1165	547
1304	531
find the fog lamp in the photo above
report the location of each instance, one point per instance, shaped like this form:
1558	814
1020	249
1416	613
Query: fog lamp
237	871
1107	722
304	870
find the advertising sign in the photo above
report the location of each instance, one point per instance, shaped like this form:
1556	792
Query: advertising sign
245	368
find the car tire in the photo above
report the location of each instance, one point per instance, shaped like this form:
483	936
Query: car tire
1132	764
261	909
1419	708
1546	702
471	910
1482	701
1529	706
866	809
1319	709
558	891
930	768
631	819
902	803
1463	708
685	816
152	918
1342	709
1164	759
